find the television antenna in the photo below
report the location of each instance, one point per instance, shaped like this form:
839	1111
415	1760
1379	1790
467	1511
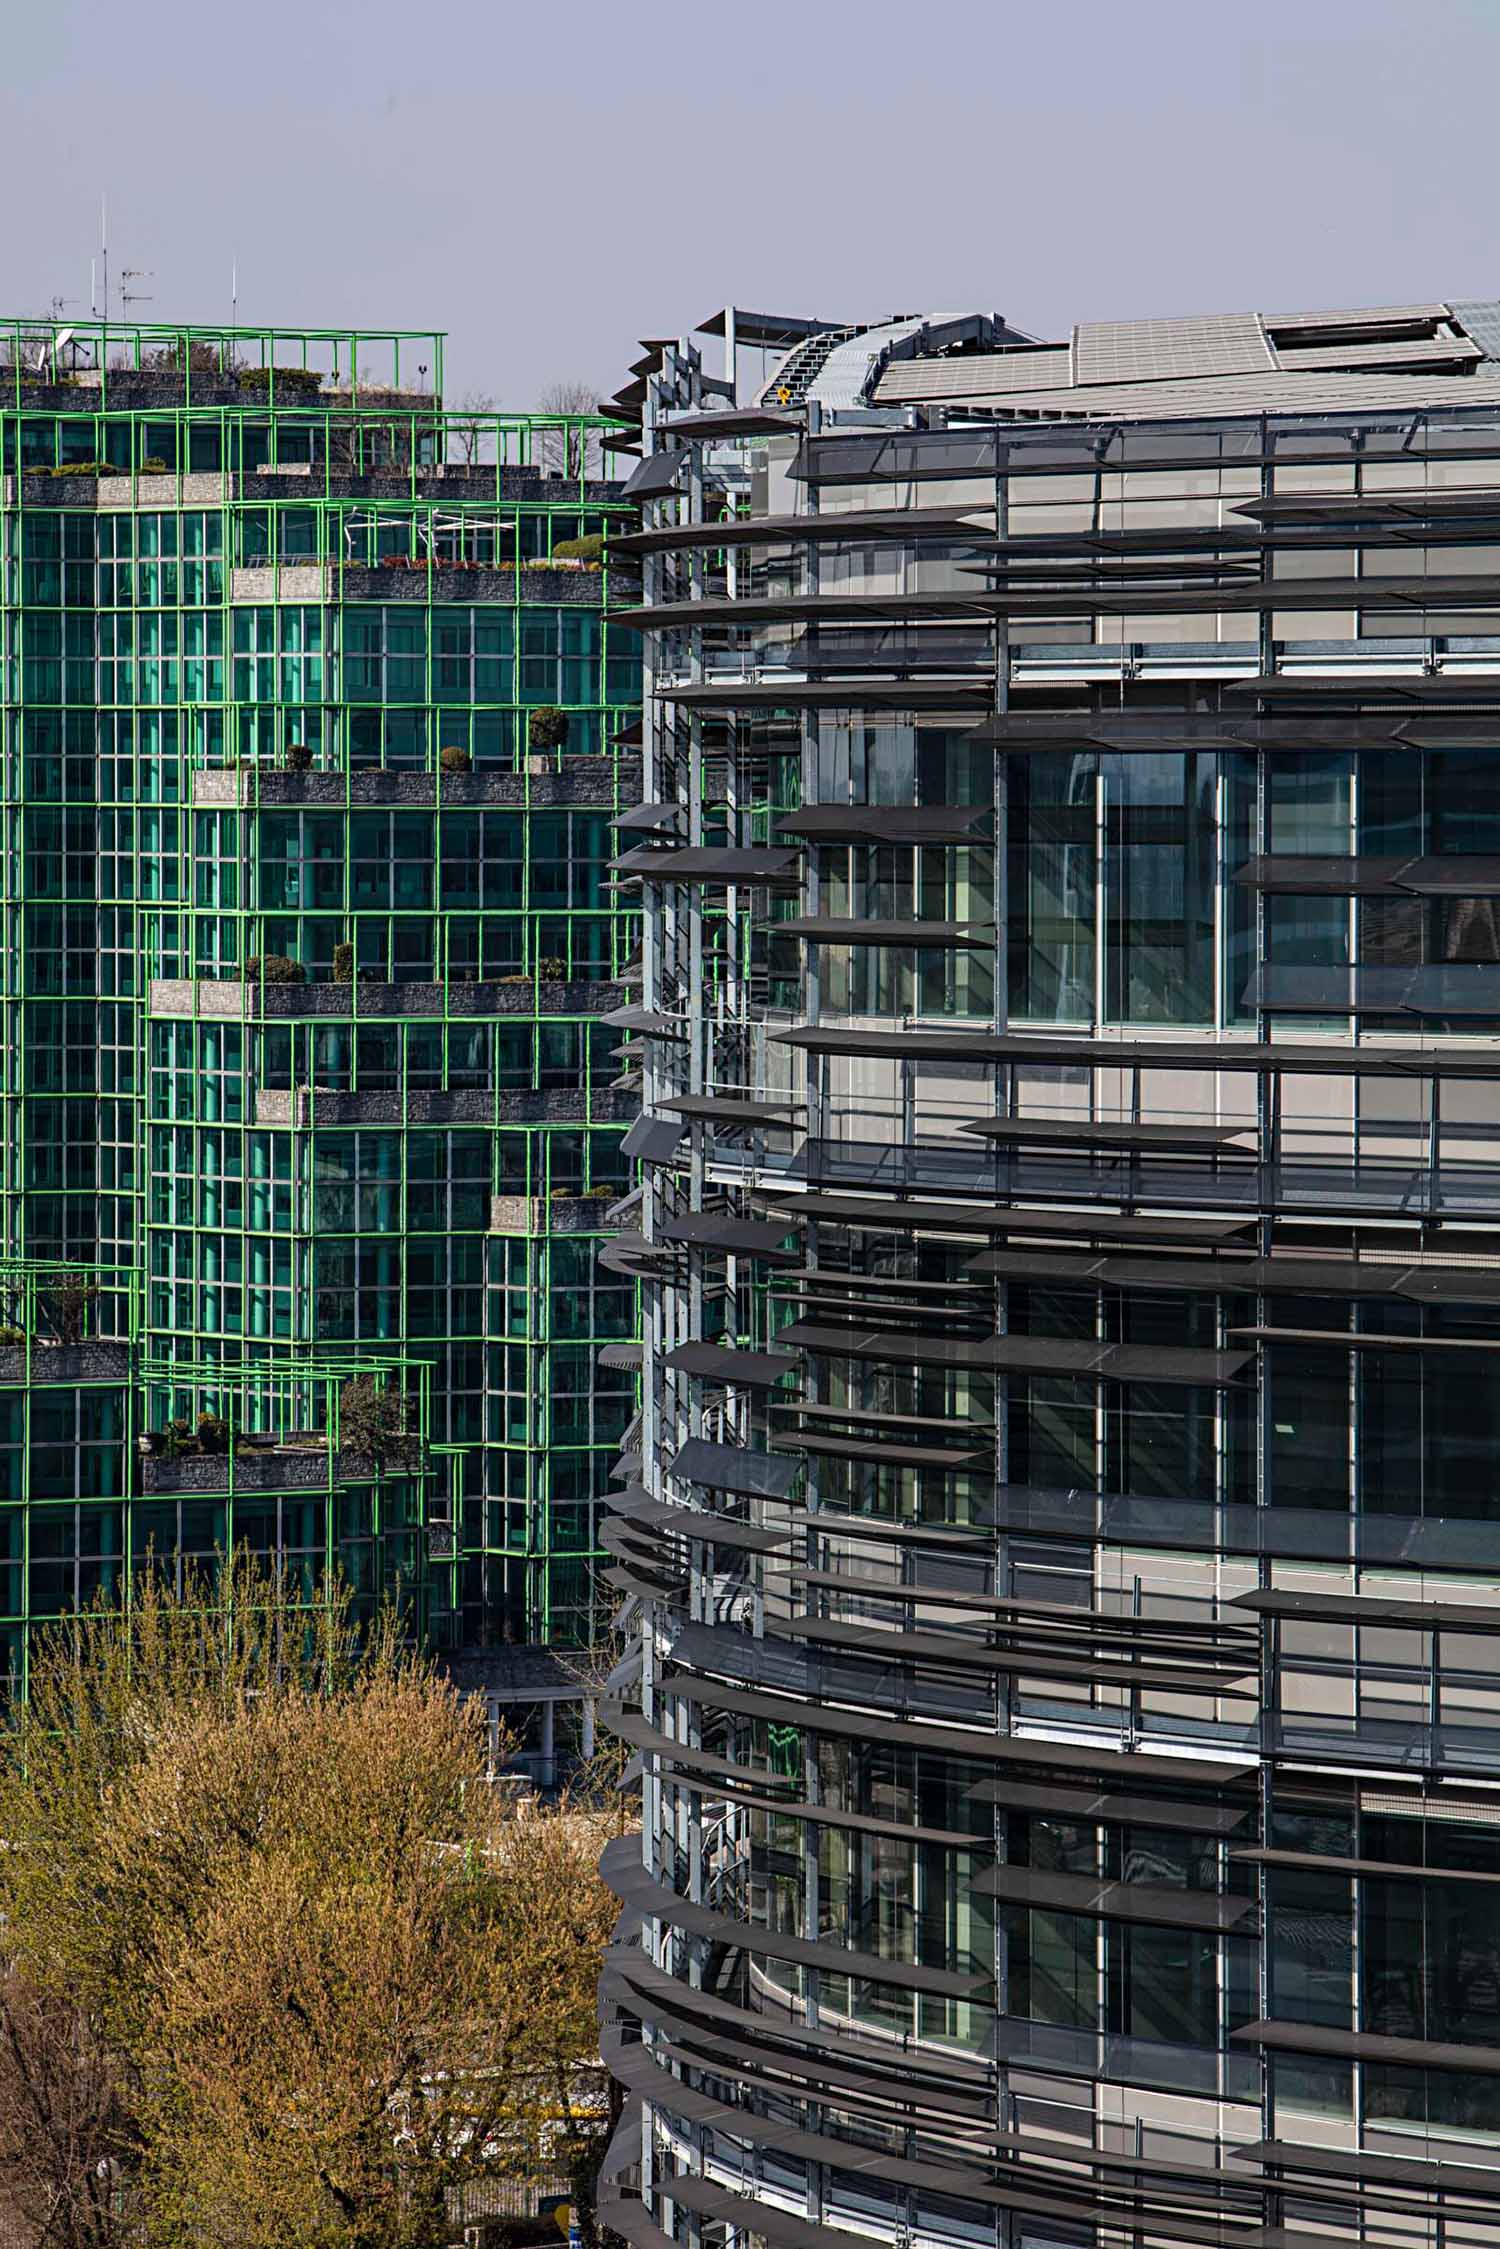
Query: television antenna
135	296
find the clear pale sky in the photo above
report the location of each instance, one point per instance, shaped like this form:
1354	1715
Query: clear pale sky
548	183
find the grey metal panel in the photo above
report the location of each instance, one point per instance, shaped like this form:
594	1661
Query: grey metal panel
753	864
1023	1354
654	1140
1338	876
838	526
714	1362
734	1468
1138	1766
649	1024
731	1109
1099	1899
741	421
1371	1608
1370	2046
624	1358
656	474
653	818
621	1868
888	693
1331	1059
1083	1132
736	1237
1360	2163
838	929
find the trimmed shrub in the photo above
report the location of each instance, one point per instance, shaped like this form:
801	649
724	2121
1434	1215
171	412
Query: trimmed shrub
305	379
275	968
298	758
343	964
213	1433
590	549
455	759
547	727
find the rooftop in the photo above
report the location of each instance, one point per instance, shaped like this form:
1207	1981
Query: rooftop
1440	353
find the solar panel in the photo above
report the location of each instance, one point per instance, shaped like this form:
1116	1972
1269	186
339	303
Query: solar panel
1146	351
1480	318
971	375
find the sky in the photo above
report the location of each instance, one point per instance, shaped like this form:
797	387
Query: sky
548	184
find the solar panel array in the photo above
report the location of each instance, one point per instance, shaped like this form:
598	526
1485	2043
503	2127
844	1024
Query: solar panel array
971	375
1149	351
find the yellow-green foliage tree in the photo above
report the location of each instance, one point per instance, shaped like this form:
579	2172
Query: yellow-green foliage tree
317	1973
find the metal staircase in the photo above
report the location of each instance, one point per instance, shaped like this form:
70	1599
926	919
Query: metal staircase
795	376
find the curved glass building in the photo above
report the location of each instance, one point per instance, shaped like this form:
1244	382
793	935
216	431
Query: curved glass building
1062	1551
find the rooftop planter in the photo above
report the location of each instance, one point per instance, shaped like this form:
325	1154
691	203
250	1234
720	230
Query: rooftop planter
298	1464
234	999
480	581
584	780
552	1214
64	1362
471	1105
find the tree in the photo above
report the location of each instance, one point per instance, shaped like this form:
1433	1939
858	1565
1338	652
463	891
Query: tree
327	1977
372	1419
65	2131
568	452
546	727
65	1306
468	434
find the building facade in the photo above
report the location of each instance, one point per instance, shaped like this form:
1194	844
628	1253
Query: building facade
310	723
1062	1553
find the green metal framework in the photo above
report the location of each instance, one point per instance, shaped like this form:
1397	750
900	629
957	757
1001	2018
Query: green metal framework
307	941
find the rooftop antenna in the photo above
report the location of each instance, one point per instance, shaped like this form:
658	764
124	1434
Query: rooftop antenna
104	253
134	296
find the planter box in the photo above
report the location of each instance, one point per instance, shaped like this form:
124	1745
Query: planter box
279	1468
234	1000
603	782
554	1214
65	1362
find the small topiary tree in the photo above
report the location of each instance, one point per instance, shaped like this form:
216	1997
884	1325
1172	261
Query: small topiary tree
298	758
547	727
455	759
343	964
372	1419
275	968
177	1440
213	1433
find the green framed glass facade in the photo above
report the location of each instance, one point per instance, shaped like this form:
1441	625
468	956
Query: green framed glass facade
309	938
